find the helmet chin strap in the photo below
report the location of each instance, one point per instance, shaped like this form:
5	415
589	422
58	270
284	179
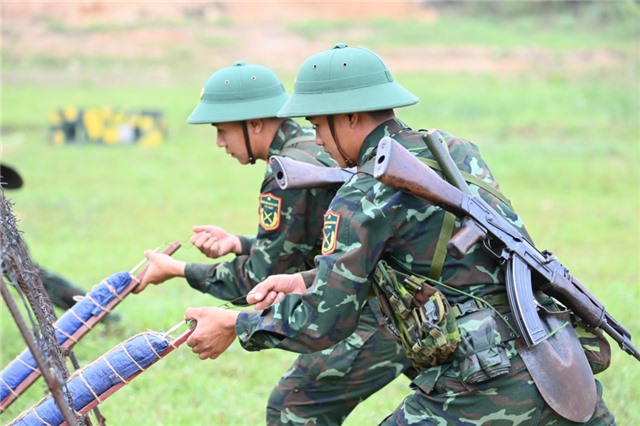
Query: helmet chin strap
347	160
245	130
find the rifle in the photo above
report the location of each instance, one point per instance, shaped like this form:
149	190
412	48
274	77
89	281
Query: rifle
294	174
396	167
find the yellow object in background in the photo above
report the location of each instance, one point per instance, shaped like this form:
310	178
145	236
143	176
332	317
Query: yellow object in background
106	125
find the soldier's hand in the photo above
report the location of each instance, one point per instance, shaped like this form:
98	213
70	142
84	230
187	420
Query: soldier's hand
215	331
214	241
274	288
161	267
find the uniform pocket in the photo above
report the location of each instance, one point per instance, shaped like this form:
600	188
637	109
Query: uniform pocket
336	361
481	355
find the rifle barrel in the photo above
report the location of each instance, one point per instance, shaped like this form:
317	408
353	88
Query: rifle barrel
295	174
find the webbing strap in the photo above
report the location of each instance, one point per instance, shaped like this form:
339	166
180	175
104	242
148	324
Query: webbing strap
446	231
440	254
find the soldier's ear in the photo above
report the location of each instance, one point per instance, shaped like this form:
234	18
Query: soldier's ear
354	119
256	125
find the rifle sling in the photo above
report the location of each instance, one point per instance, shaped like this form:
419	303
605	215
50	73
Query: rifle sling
446	231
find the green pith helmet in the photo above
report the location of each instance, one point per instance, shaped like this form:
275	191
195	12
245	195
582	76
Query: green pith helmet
237	93
344	80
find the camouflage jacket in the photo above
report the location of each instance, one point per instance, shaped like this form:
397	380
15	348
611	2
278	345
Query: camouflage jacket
289	232
368	221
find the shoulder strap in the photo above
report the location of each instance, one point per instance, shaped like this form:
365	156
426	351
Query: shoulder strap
446	232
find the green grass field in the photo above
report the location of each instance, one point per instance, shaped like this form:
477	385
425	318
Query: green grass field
563	142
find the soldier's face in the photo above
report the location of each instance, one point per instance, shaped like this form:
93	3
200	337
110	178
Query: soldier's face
326	140
231	138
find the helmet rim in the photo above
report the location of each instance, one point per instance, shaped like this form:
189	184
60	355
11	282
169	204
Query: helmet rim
383	97
207	112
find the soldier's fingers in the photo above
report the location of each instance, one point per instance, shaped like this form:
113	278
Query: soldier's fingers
199	228
192	314
268	300
202	239
191	343
139	288
209	251
254	298
209	243
271	297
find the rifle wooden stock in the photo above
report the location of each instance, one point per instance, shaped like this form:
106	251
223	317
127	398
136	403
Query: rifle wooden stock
397	167
294	174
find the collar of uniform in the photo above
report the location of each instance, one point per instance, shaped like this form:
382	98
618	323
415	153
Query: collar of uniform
370	144
288	130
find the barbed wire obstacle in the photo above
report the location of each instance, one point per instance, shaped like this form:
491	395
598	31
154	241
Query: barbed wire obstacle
24	275
97	381
22	372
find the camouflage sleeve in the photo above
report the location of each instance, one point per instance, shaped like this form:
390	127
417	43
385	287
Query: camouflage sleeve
309	276
284	243
246	242
355	230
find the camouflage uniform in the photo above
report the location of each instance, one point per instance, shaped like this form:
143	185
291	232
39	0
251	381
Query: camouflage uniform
321	387
367	222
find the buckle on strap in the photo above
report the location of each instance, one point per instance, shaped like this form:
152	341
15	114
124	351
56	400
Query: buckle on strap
467	307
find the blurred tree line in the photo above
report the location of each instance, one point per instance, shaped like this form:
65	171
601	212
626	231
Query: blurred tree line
601	12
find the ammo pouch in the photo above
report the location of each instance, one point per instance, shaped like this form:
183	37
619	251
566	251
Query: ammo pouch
482	353
418	314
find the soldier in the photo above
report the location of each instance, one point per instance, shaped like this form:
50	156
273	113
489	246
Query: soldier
461	341
241	101
62	292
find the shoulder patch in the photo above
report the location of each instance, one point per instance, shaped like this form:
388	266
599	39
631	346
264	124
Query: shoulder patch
270	211
330	232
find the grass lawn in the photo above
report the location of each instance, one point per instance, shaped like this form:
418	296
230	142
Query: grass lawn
564	143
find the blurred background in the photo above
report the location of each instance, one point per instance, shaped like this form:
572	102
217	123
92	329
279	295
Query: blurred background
95	97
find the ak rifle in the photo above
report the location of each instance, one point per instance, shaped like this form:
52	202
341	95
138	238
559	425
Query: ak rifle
295	174
526	267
